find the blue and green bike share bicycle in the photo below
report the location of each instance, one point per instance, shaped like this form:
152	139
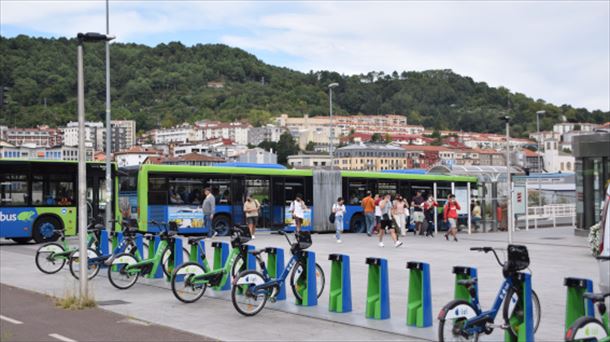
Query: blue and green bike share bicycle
196	278
462	320
588	328
52	256
95	261
126	268
252	288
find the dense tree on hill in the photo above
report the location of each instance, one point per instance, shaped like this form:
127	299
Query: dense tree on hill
168	84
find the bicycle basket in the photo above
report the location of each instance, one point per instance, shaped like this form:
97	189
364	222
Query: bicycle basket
304	240
518	257
241	235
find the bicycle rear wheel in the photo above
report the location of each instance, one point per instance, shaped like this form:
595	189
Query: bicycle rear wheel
46	259
188	290
586	329
514	313
250	303
167	261
298	276
92	268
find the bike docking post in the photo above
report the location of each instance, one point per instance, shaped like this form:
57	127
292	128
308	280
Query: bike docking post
419	302
117	238
196	251
178	259
378	289
250	264
306	286
221	254
340	294
275	267
461	291
152	249
104	247
524	305
576	305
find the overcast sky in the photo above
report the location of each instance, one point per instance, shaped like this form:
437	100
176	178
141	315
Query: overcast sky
557	51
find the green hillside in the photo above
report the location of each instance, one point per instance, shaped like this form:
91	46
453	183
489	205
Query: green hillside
168	84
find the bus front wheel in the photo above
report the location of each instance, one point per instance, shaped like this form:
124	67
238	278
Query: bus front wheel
357	224
222	223
44	229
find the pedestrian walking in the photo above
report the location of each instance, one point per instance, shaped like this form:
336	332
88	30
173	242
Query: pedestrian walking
339	211
429	211
368	206
377	199
297	208
476	215
400	215
385	206
208	207
251	208
450	215
418	212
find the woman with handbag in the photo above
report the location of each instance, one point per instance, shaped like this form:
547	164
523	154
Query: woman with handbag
339	211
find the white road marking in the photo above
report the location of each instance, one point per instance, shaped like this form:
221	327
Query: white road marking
62	338
10	320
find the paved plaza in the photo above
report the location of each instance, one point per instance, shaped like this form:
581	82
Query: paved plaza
554	253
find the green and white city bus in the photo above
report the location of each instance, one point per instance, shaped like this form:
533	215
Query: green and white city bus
174	193
38	197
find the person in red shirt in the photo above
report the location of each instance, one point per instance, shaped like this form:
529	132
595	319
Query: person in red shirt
450	215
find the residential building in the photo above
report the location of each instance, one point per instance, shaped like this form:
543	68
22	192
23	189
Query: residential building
346	124
565	127
556	160
31	151
528	159
236	131
309	161
127	135
177	134
423	157
257	155
194	159
257	135
372	157
134	156
41	136
489	157
94	134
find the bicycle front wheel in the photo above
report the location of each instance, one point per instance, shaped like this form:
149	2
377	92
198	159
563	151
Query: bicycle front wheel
168	258
452	319
92	268
250	303
586	329
513	313
47	260
189	289
297	279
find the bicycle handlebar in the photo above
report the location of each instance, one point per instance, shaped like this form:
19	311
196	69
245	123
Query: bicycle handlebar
487	250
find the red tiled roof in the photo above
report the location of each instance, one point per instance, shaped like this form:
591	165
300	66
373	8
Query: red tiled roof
138	150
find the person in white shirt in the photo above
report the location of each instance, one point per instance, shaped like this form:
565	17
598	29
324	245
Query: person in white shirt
297	208
339	211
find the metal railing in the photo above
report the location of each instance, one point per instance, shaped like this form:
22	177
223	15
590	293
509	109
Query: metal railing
550	212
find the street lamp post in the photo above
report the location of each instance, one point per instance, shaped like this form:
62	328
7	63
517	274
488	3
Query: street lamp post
108	128
540	168
509	219
332	128
82	168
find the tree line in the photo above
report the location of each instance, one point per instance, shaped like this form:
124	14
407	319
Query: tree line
168	84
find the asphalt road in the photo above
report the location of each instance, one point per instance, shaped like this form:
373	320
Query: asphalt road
29	316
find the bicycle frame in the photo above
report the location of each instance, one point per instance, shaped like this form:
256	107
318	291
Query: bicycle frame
205	278
121	248
155	261
470	326
275	282
67	249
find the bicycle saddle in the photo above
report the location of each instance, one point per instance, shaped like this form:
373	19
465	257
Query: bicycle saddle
95	228
596	297
467	282
194	240
257	252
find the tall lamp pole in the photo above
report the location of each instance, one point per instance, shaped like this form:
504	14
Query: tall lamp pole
509	213
332	128
108	128
540	168
82	168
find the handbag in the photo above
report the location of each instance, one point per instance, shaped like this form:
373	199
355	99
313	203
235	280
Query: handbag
331	217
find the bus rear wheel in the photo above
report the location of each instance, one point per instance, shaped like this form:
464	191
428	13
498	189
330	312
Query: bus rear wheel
44	229
221	224
22	241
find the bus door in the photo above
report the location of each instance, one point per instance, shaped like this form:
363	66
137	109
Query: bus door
259	188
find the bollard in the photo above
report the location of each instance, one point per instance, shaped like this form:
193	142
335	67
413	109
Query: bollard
461	291
104	245
378	289
221	254
419	303
306	285
523	281
340	294
576	305
177	260
275	267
